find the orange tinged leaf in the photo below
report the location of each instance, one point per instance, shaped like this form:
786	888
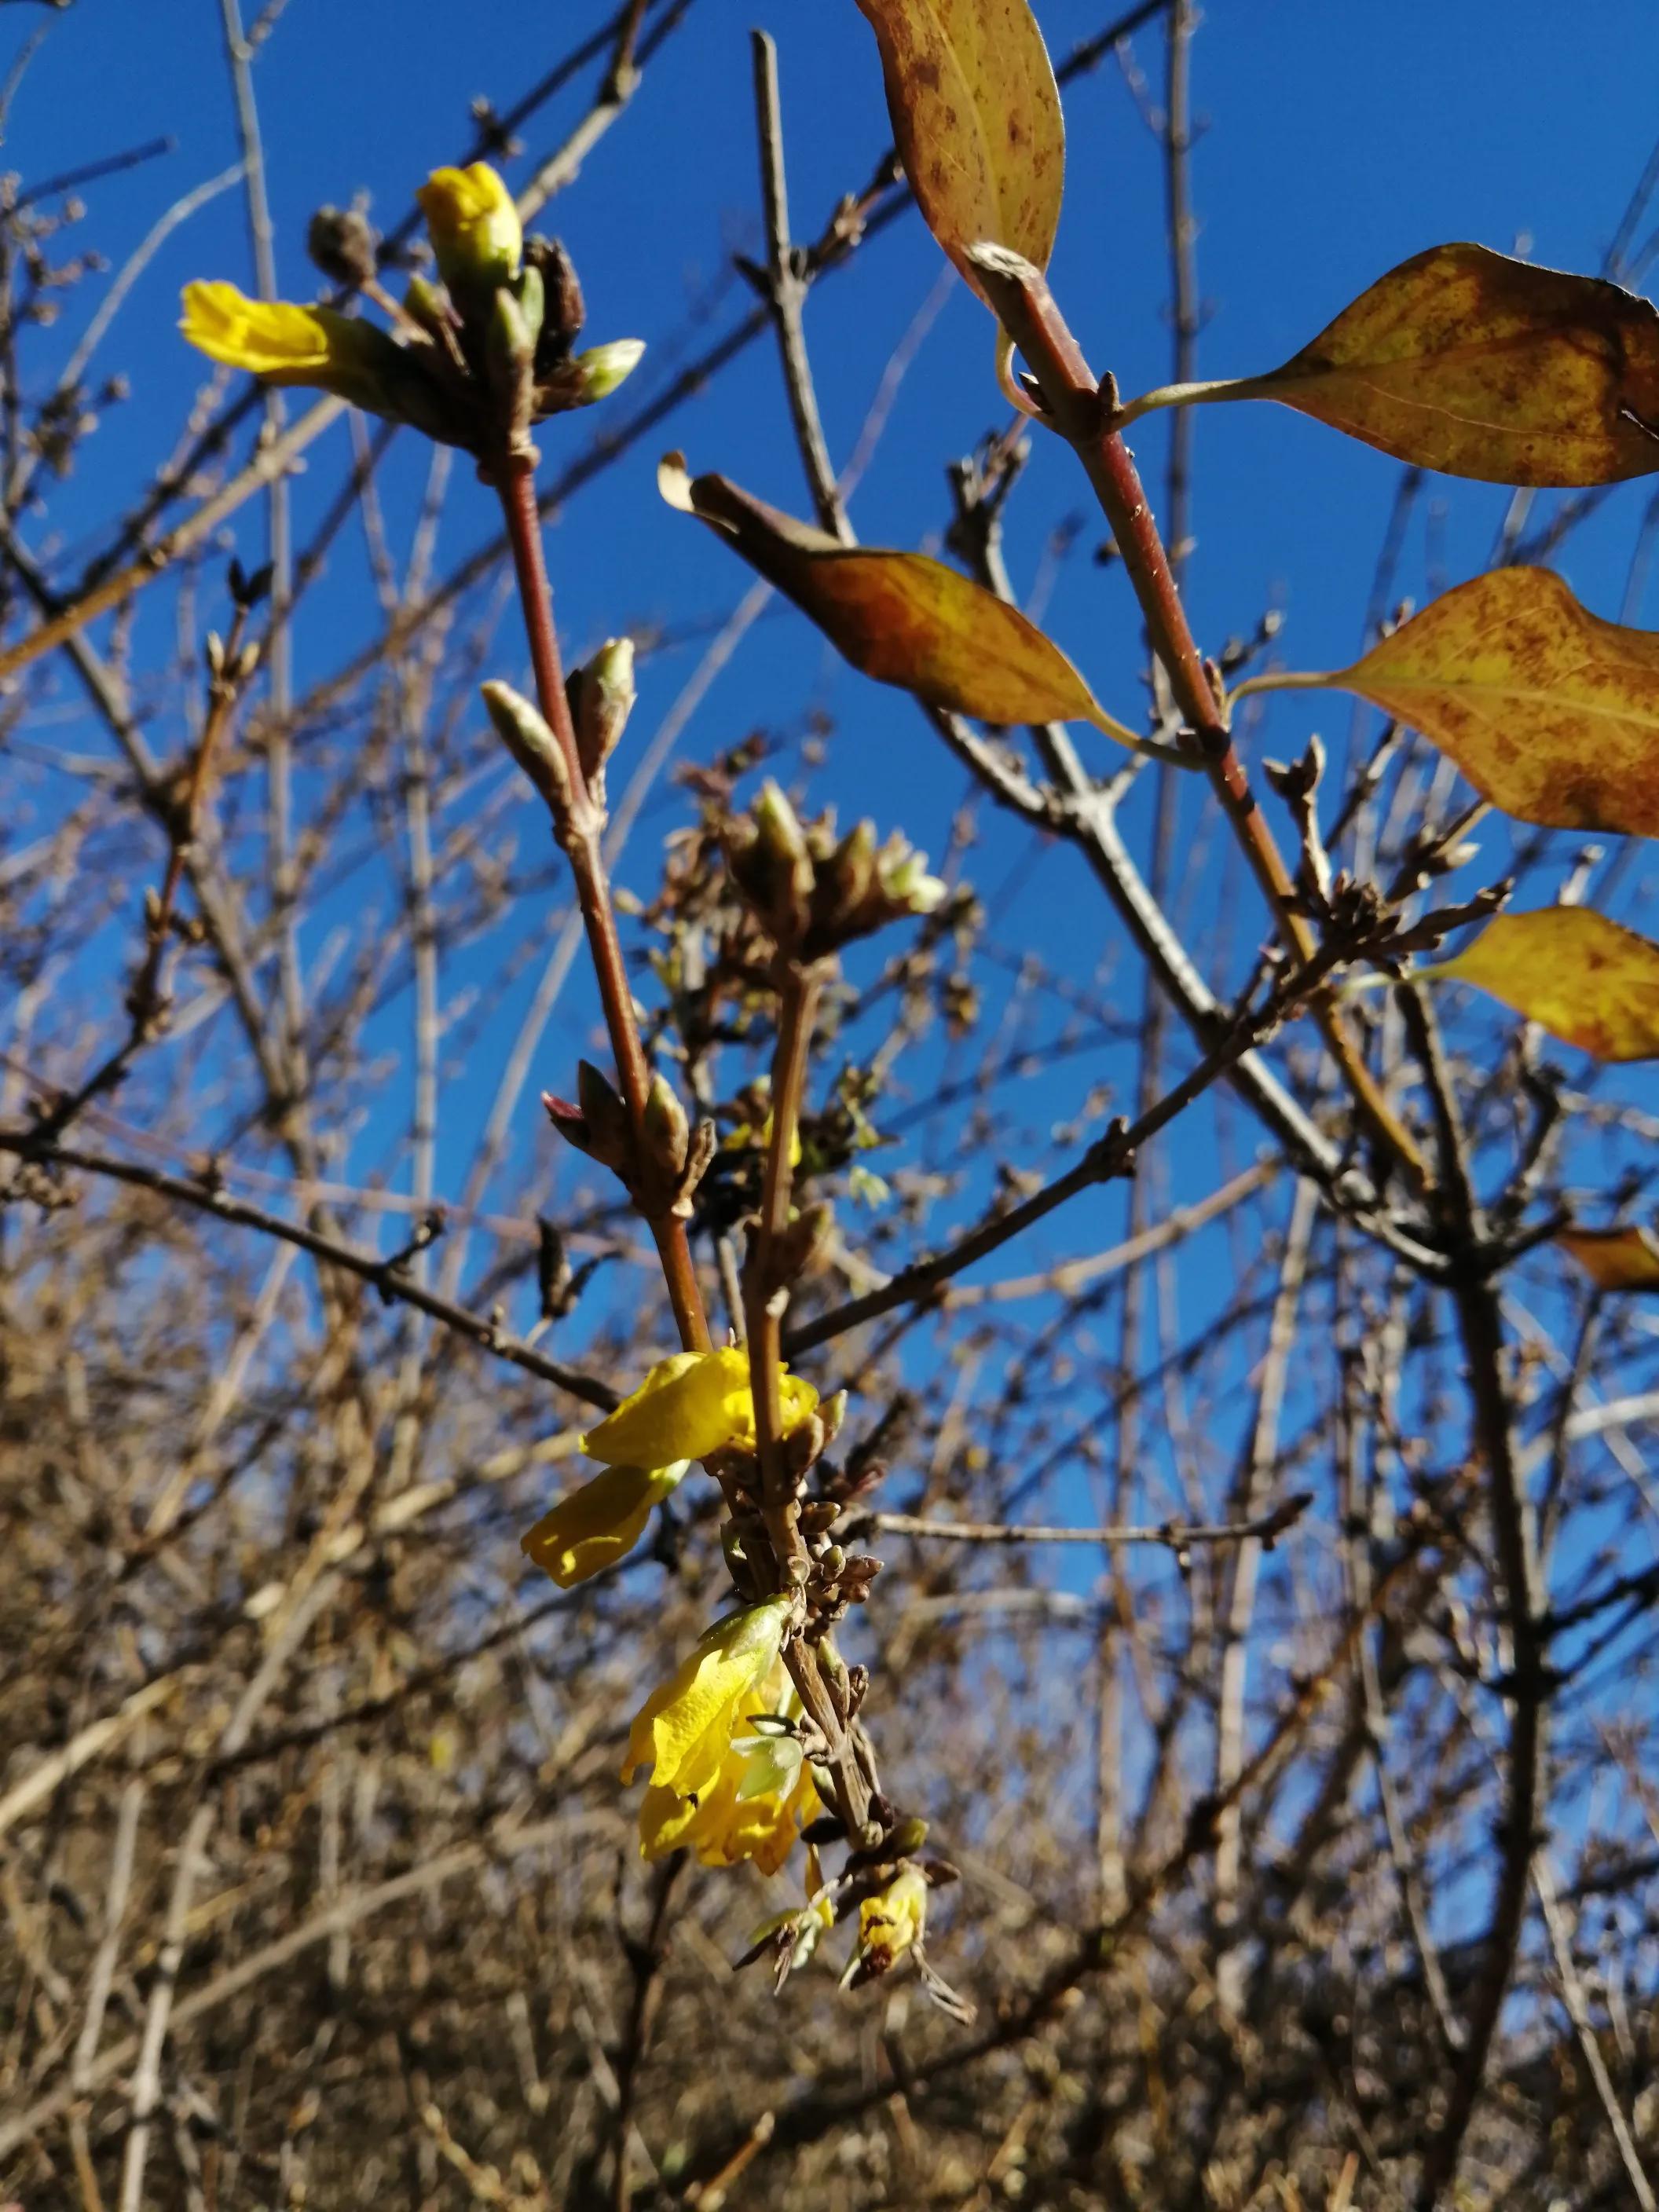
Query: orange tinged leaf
1551	712
977	120
1615	1259
900	617
1587	980
1464	360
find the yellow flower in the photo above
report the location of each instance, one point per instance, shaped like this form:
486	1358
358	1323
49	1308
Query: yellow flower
593	1526
690	1406
890	1925
755	1807
473	225
288	344
683	1730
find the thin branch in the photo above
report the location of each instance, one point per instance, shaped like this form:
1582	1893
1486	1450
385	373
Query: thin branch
386	1278
1171	1535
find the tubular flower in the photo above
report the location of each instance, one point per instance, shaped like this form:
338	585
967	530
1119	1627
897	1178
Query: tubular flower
593	1526
690	1406
473	225
683	1730
890	1925
755	1807
288	344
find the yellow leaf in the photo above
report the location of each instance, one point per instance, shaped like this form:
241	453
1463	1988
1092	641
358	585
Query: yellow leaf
1465	360
900	617
1550	712
1615	1259
977	120
1590	981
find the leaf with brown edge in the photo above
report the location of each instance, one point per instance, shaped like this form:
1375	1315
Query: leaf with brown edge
977	117
900	618
1465	360
1551	712
1588	981
1615	1259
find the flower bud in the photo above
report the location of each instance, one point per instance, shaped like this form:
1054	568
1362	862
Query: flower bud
530	743
666	1129
611	1141
564	312
771	864
509	352
604	368
601	697
801	1247
424	303
474	228
904	878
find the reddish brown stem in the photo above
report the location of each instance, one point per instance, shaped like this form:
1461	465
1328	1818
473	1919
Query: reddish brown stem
1082	410
579	832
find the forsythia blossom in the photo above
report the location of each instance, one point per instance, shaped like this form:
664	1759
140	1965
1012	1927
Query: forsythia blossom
591	1526
690	1406
473	225
684	1730
755	1807
890	1925
287	344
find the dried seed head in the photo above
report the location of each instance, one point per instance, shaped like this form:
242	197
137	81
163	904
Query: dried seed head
341	243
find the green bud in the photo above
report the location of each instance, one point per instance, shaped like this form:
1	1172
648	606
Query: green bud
665	1128
530	743
509	352
601	697
604	367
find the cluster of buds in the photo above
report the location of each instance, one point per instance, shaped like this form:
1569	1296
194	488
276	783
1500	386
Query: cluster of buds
813	893
476	360
600	698
661	1165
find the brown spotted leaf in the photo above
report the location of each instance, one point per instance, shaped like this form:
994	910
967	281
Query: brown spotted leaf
977	120
899	617
1587	980
1550	712
1615	1259
1465	360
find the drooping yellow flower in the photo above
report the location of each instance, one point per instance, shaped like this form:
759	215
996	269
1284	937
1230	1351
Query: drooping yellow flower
683	1730
591	1526
290	344
473	225
890	1925
690	1406
757	1804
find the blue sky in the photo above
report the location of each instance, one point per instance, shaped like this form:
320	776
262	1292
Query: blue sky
1335	141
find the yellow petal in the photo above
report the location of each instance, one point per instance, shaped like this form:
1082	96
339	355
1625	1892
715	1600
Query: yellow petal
473	225
290	344
692	1405
683	1730
668	1823
720	1824
889	1924
593	1526
686	1407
